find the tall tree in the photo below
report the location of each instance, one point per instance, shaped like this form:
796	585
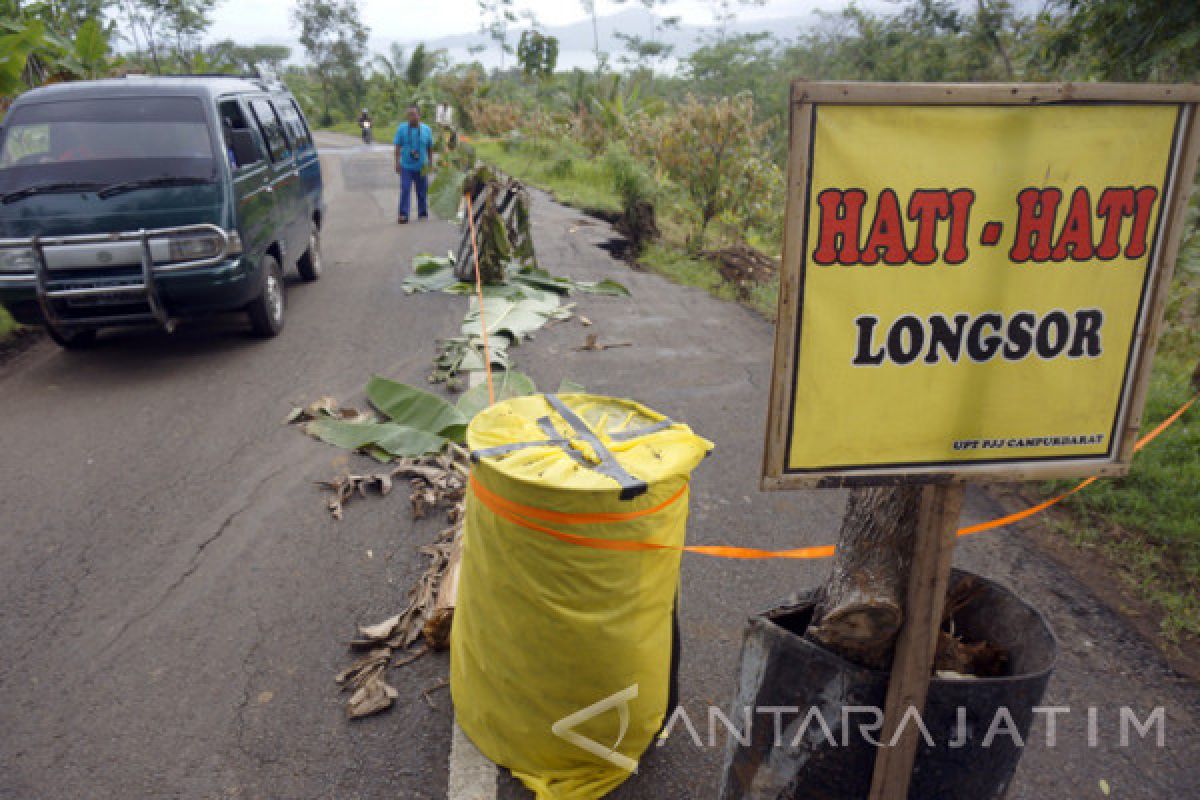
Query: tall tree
496	17
389	68
334	38
167	27
589	8
647	52
422	63
63	17
1128	39
744	61
537	53
724	13
227	55
44	41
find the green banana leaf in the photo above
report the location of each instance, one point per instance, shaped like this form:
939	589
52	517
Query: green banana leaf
513	318
540	279
506	384
430	274
398	441
606	286
410	407
446	192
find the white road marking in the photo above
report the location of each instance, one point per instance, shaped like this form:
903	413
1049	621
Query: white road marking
472	775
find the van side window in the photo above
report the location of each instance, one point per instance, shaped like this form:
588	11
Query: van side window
294	123
272	129
302	122
233	118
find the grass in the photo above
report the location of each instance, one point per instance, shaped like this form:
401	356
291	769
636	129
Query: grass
350	128
1148	523
570	173
7	324
676	265
581	180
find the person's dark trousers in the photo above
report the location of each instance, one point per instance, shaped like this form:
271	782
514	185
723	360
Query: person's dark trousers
408	179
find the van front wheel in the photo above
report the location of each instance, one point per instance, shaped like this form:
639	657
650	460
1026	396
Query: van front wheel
266	311
309	265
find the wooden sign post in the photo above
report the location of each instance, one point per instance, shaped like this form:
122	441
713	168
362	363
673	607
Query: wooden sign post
972	285
933	552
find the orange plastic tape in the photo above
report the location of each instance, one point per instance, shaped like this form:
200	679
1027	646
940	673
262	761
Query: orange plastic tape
526	517
1040	507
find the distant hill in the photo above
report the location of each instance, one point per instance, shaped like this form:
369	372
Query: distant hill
575	40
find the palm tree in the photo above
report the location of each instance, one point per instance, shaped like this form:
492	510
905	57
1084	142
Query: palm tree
423	63
390	67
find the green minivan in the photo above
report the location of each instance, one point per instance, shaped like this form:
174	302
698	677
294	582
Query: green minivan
149	200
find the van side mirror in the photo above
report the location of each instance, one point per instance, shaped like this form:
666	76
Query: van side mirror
245	147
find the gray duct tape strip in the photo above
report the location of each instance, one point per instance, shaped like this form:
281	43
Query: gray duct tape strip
505	449
631	487
547	426
624	436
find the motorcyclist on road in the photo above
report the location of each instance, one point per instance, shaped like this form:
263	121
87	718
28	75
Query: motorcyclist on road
364	122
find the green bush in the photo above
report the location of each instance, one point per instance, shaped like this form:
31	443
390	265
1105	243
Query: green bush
630	179
561	168
513	142
7	324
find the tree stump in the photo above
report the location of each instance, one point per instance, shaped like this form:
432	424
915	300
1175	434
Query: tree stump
639	224
520	229
491	238
861	605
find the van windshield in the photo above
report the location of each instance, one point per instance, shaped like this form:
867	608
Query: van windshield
106	141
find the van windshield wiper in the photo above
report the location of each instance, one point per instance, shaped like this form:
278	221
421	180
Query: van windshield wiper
44	188
150	183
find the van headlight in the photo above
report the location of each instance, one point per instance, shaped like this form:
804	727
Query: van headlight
194	247
17	259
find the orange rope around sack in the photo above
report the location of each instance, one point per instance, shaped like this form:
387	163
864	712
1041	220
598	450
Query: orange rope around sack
525	516
487	351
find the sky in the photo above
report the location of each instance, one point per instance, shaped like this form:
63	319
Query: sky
409	21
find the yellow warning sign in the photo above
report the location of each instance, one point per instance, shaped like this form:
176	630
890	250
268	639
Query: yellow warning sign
968	284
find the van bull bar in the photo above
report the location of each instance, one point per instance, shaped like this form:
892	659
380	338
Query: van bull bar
153	251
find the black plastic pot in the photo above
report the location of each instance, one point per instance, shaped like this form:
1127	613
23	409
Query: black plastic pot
780	668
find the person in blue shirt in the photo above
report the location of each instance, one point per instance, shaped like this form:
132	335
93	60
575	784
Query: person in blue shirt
414	154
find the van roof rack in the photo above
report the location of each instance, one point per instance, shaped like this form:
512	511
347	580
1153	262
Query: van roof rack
267	82
243	76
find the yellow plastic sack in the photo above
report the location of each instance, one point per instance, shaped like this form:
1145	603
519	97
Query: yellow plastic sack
561	645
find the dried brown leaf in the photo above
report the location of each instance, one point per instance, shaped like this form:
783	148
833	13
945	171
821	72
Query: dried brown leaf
373	660
381	630
371	698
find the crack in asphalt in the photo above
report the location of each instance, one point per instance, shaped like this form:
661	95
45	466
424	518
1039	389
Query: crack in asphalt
249	672
193	563
750	377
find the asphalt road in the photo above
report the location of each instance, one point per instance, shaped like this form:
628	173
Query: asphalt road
174	599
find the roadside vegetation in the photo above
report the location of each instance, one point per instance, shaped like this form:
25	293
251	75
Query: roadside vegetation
7	325
1148	523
